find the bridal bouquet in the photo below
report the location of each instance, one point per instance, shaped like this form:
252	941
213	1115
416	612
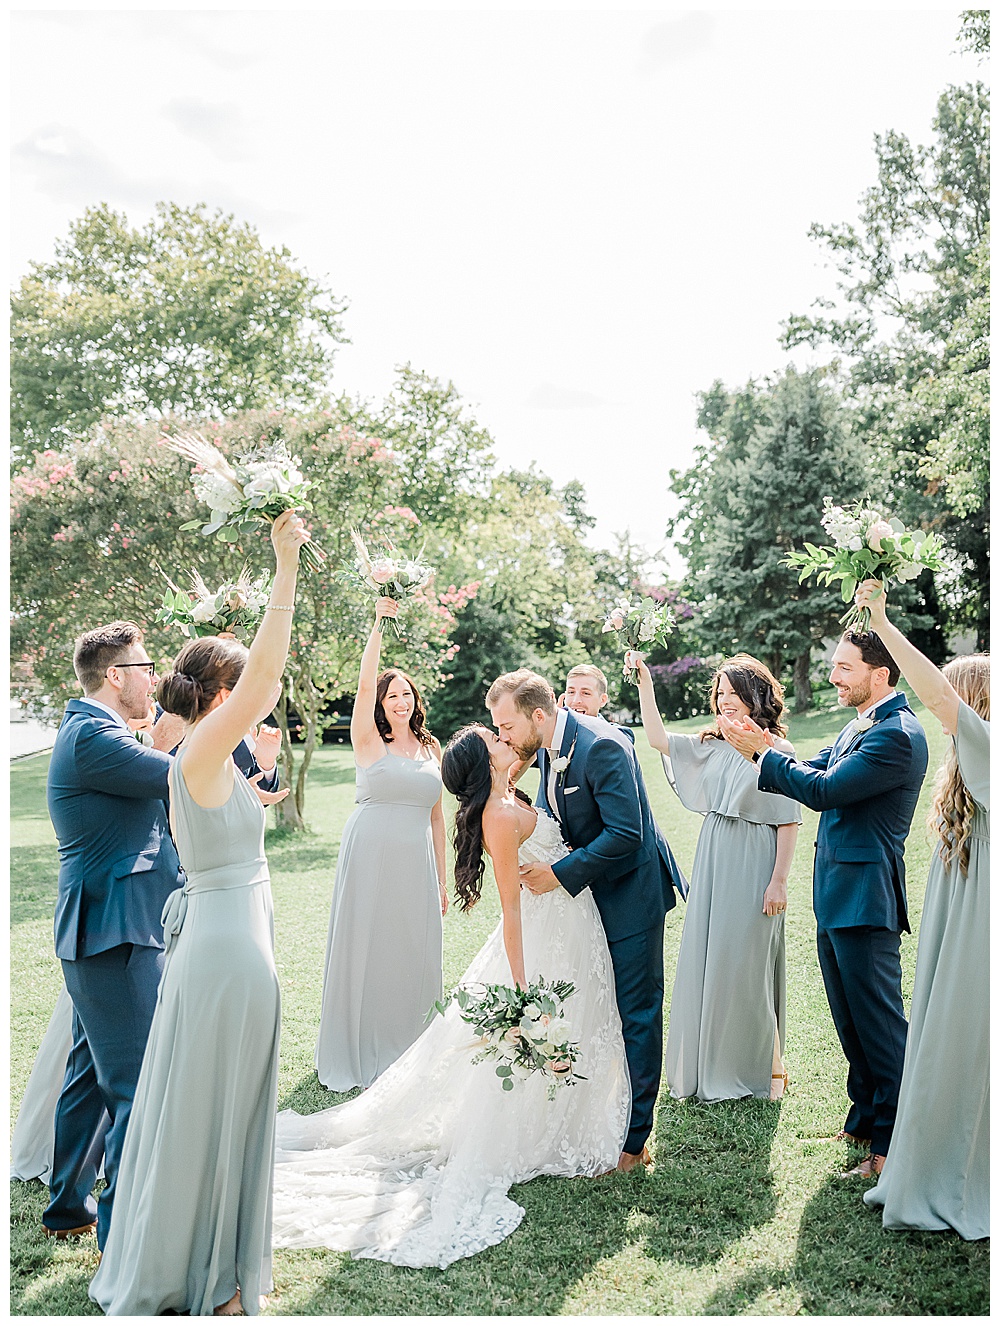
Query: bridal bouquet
236	606
388	575
257	487
526	1031
639	626
866	545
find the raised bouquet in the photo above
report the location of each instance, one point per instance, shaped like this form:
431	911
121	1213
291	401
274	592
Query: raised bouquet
255	488
639	625
388	574
866	545
236	606
526	1031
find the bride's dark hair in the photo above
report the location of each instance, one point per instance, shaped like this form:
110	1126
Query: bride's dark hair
467	774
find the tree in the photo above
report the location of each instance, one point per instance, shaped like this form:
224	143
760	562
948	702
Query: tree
754	493
190	314
909	333
93	526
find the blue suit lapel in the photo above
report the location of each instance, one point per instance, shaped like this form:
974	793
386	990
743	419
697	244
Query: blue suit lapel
852	741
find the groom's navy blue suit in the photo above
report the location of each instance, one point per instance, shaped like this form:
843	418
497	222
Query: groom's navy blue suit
866	786
621	855
117	865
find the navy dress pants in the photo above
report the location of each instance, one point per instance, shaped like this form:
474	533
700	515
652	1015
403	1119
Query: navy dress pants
638	966
863	979
114	996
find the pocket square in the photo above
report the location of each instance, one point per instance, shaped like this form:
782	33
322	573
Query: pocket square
571	789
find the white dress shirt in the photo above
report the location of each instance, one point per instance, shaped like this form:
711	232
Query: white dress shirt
99	704
557	739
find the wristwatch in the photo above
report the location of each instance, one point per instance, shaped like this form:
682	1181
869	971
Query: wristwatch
755	757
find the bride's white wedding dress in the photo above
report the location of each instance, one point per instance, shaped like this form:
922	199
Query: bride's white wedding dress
416	1170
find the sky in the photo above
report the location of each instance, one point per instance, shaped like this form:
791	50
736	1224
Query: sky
582	219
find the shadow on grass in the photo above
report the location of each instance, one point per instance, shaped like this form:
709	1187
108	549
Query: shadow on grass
711	1184
48	1278
846	1263
34	878
309	1095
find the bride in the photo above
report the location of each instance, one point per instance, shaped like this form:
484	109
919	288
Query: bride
416	1170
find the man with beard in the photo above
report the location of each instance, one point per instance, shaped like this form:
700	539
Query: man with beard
590	782
107	798
866	786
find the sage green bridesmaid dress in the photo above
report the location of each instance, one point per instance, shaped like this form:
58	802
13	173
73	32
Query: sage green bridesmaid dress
192	1217
384	947
729	992
937	1172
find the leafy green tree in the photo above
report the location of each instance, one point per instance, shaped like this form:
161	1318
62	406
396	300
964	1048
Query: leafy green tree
974	33
909	334
755	492
190	314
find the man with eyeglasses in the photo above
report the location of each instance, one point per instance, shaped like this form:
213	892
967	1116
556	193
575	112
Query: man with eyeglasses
107	797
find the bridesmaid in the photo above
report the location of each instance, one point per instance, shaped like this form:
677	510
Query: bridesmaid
191	1228
384	949
937	1172
727	1010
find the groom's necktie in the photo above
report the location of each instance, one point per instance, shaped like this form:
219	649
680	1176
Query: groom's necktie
550	785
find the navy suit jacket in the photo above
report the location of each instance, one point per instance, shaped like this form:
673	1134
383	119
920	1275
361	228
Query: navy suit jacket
618	849
117	862
866	786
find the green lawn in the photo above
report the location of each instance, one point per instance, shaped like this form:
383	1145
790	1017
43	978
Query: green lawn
743	1213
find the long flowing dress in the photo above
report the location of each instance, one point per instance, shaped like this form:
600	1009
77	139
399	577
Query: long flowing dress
384	948
937	1172
729	991
416	1170
192	1217
32	1141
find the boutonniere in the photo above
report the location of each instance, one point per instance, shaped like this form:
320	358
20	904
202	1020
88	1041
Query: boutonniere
863	724
144	738
561	763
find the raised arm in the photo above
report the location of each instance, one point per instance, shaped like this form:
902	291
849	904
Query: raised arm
652	723
213	740
929	684
437	836
882	760
500	835
364	734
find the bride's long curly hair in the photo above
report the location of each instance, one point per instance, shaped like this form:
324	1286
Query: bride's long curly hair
953	807
467	774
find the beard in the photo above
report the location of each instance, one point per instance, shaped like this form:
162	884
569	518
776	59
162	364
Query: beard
526	749
858	697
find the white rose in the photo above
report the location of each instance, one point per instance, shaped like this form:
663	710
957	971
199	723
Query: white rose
204	610
647	629
215	492
908	572
532	1012
854	543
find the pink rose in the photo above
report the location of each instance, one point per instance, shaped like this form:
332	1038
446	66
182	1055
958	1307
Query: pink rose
879	531
512	1035
383	571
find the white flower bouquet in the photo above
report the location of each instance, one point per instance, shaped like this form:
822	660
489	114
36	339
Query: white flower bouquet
257	487
639	625
866	545
526	1031
236	606
388	575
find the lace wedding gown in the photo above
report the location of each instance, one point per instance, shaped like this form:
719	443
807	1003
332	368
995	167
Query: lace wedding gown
416	1170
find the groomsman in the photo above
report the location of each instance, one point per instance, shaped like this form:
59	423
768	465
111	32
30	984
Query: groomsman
866	786
107	798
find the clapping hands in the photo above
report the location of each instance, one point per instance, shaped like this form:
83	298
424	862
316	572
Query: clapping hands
744	735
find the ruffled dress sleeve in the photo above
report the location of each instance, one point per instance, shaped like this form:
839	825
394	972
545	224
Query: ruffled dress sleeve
711	777
972	746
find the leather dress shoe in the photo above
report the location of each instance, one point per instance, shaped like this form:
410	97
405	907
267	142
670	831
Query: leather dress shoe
70	1233
870	1168
850	1139
628	1161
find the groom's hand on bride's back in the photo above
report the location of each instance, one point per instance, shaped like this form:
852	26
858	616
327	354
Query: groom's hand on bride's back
538	878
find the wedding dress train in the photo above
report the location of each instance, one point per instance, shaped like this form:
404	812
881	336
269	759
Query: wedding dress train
416	1170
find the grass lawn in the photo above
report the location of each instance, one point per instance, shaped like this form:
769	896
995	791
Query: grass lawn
743	1213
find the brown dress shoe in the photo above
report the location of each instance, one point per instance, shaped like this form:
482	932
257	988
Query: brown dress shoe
69	1233
850	1139
870	1168
628	1160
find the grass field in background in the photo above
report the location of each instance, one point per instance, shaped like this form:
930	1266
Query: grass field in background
742	1214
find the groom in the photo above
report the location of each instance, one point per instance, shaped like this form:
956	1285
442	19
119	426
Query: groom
591	783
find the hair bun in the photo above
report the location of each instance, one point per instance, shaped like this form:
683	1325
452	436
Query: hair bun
181	694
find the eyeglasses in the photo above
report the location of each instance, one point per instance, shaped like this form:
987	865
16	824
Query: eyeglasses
150	667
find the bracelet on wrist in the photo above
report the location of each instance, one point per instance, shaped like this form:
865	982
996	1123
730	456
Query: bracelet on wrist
280	607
